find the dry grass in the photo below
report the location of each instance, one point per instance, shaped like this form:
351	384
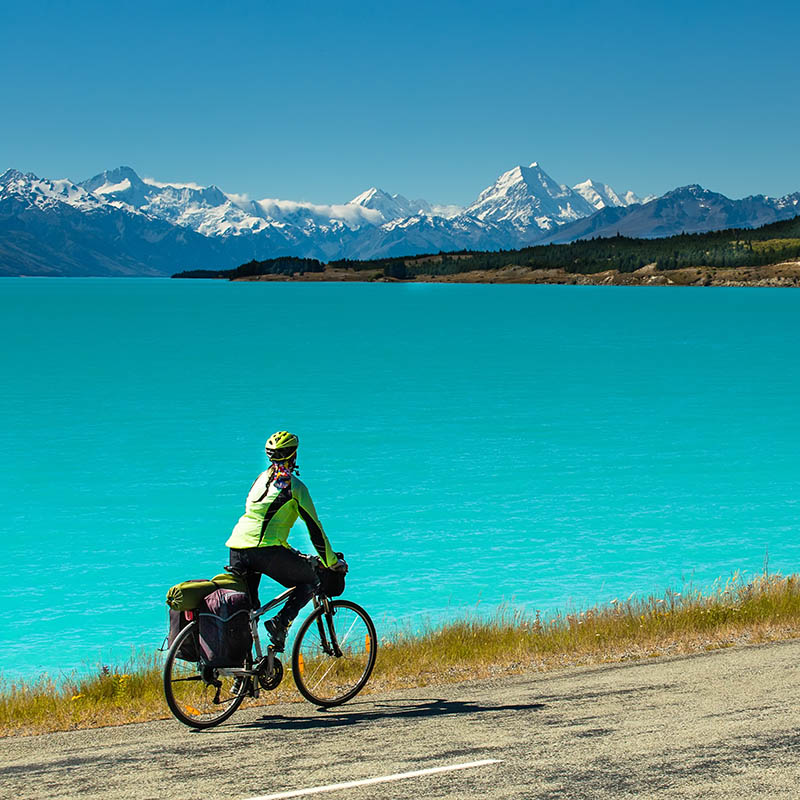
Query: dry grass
774	244
739	612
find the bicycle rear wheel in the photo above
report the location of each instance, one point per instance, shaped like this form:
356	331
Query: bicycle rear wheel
333	654
197	694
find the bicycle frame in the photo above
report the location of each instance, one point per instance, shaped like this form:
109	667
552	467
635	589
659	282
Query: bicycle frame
323	638
255	616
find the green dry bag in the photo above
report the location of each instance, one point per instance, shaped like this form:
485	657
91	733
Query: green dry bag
188	595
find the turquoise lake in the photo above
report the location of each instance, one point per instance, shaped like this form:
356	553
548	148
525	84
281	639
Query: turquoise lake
467	446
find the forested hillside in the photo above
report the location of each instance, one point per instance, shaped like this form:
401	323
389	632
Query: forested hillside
738	247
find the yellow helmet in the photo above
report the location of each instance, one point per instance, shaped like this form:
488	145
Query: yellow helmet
281	446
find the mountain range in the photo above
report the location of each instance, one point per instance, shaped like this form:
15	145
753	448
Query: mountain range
117	223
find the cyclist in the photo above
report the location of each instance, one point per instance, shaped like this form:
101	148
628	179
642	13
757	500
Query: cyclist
258	543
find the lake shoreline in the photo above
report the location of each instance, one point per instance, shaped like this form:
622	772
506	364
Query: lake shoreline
782	275
740	613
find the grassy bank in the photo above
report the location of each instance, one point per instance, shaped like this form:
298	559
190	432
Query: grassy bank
738	612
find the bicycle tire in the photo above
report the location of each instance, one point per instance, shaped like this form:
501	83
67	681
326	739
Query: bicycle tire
193	705
326	679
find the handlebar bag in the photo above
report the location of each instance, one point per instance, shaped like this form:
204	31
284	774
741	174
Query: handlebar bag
332	582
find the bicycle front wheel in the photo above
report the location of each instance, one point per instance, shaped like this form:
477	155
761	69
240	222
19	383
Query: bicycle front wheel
334	653
197	694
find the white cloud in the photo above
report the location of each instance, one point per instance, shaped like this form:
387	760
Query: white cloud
447	211
161	185
239	199
350	214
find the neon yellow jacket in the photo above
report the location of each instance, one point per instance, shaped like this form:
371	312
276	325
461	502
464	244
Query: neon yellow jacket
270	513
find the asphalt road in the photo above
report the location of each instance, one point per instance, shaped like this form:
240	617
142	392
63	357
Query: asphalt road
720	725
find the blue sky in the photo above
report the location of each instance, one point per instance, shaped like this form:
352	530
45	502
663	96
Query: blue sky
319	101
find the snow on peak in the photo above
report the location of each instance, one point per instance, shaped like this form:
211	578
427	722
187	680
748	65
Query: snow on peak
528	197
367	197
522	204
392	206
120	186
630	198
113	188
518	209
108	179
378	200
692	190
205	209
12	175
44	193
601	195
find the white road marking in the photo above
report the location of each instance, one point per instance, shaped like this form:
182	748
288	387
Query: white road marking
332	787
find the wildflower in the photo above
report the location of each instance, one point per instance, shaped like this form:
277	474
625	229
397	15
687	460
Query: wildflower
76	697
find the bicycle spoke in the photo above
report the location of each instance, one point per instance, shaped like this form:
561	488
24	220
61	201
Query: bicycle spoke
322	676
199	696
341	641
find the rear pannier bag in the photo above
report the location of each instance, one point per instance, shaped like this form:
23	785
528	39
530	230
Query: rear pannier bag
224	621
188	648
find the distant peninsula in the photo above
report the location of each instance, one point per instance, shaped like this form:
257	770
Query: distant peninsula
765	256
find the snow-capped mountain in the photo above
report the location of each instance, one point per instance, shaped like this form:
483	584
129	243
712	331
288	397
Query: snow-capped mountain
44	193
395	206
529	200
431	234
205	209
391	206
212	212
522	204
688	209
601	195
58	228
118	223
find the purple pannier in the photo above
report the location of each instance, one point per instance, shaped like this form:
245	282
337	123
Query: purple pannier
188	649
224	621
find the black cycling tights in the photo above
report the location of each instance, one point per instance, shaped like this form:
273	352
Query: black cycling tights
286	566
